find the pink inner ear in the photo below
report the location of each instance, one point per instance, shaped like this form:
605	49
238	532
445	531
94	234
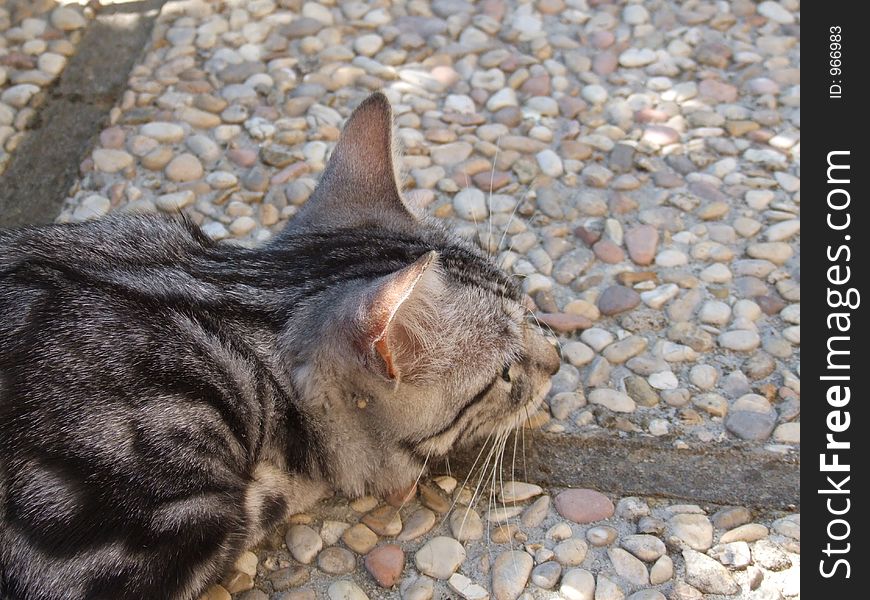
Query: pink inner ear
384	350
386	301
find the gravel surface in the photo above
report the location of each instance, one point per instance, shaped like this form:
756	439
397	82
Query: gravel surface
636	164
36	39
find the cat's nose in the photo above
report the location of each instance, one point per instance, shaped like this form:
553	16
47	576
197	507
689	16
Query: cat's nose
555	364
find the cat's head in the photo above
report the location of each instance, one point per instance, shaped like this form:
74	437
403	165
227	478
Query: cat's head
420	341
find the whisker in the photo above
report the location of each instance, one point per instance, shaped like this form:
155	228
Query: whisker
544	327
467	477
489	199
501	484
523	432
514	212
480	481
416	481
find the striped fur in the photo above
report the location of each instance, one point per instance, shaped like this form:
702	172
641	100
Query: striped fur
165	401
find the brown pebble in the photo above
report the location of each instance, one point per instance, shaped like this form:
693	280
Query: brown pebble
589	236
384	520
402	496
642	242
492	180
608	252
617	299
564	322
385	564
434	497
244	157
584	505
511	116
770	305
629	278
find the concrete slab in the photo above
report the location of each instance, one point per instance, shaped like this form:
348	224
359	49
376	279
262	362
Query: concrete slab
737	474
44	166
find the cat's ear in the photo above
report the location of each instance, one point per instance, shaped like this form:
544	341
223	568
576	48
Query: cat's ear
390	319
359	185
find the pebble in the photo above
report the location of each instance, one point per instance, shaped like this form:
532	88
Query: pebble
628	567
466	588
728	518
578	584
646	547
613	400
470	204
510	572
417	524
749	532
92	207
703	376
782	231
466	525
535	514
616	299
595	94
570	552
601	535
421	588
583	505
597	338
163	132
546	575
641	391
662	570
518	491
336	561
184	167
768	555
550	163
578	353
440	557
67	19
111	161
671	258
385	564
641	242
693	529
635	14
707	574
740	340
637	57
776	252
175	201
303	542
647	595
621	351
345	590
788	433
775	12
359	538
384	520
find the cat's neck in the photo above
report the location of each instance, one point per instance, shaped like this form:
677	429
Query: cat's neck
351	457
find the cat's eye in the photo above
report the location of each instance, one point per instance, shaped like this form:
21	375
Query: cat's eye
506	373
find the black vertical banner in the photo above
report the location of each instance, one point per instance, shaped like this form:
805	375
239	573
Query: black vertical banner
834	182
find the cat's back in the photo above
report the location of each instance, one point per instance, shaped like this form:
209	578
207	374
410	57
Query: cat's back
105	244
84	263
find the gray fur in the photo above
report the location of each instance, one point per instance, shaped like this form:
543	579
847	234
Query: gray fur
165	400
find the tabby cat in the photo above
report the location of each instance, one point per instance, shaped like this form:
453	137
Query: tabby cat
165	400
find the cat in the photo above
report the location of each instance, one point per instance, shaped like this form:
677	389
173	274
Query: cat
167	400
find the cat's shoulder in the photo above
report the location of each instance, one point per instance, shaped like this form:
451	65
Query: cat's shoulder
112	239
